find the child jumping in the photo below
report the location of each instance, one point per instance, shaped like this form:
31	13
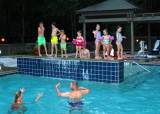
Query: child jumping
97	36
106	44
78	42
119	40
54	39
41	39
63	44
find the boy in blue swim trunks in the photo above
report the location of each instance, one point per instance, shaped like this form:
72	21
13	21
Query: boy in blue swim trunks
41	39
75	96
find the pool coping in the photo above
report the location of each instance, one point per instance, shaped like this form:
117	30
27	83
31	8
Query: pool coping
8	73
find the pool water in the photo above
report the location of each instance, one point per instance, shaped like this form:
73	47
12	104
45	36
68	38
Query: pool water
138	94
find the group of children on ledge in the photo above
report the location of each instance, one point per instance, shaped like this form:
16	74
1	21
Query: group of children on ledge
80	43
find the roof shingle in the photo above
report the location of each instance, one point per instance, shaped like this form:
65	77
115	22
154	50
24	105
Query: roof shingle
109	5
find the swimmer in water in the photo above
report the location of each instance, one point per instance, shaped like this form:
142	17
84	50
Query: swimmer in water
18	104
75	96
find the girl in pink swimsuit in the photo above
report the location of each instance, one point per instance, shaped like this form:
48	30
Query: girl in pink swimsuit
78	41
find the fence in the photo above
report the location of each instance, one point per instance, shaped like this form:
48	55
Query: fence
11	49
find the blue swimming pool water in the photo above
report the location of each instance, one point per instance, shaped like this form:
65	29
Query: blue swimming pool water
138	94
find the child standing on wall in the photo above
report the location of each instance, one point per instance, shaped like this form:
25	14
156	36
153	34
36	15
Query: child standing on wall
106	44
41	39
97	36
78	41
54	39
119	40
63	44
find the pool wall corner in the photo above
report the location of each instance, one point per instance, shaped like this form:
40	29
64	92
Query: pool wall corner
100	71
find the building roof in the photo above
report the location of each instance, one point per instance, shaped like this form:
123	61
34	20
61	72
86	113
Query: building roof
109	5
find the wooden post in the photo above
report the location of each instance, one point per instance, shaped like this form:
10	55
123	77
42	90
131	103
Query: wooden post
149	37
84	30
132	37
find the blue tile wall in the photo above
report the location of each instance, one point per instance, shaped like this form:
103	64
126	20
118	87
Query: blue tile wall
73	69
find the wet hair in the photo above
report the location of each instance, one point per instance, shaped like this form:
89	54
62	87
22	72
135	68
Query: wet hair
17	95
62	31
74	83
40	23
119	26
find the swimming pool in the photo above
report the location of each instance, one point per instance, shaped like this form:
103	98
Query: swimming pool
140	96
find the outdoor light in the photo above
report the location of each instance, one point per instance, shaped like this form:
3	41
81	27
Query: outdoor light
137	40
3	40
67	38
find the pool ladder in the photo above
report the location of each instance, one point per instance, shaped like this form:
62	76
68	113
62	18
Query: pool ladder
129	63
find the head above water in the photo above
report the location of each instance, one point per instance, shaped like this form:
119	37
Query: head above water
98	27
119	28
74	85
18	95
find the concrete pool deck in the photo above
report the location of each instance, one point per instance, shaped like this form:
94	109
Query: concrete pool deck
71	57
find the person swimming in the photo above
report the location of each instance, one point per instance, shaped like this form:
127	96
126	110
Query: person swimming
18	104
75	96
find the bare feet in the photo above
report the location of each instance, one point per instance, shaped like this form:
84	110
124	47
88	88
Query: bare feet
75	56
119	58
97	58
66	56
40	55
55	56
109	57
62	56
51	55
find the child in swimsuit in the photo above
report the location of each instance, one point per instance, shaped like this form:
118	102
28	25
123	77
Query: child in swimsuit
41	39
97	36
85	53
19	97
78	43
119	40
18	103
54	39
106	44
63	43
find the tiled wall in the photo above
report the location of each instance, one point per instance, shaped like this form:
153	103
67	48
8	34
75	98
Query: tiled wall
73	69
